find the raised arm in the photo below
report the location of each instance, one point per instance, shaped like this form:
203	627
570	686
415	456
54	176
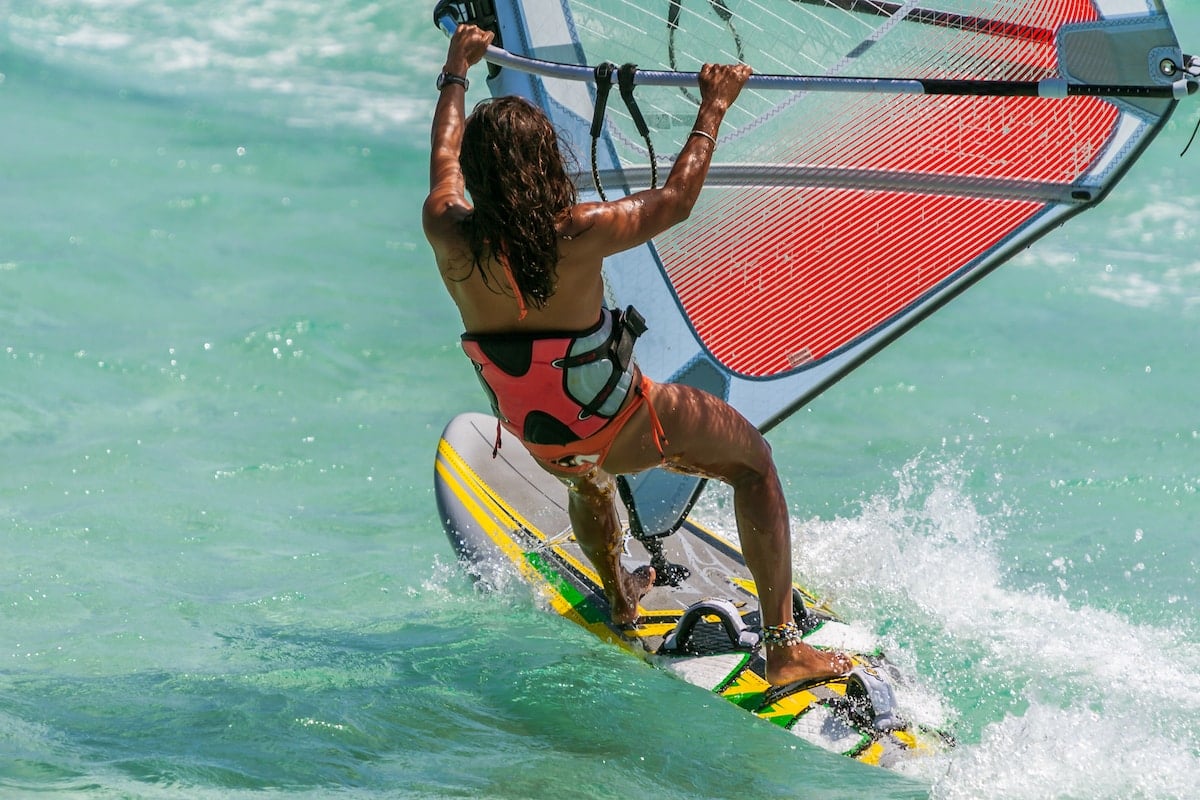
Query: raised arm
447	201
634	220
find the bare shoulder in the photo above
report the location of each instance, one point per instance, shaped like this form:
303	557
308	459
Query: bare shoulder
597	221
579	219
442	216
601	228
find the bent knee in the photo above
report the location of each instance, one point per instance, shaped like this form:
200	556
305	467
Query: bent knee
593	484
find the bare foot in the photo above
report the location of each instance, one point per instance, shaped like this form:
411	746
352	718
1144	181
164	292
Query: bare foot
802	662
634	586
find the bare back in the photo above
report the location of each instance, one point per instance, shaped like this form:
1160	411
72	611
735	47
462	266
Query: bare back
491	306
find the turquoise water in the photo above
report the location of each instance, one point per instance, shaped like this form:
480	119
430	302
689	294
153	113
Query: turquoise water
225	359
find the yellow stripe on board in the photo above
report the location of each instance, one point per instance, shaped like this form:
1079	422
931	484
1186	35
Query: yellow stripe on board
470	500
872	754
793	705
746	683
489	510
481	488
749	585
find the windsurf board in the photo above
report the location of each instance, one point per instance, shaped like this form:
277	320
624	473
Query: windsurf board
503	512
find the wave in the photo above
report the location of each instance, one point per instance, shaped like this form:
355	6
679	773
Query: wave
1049	695
341	63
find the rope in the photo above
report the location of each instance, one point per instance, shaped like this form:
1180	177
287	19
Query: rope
625	79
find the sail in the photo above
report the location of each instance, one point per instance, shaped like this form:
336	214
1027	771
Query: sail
885	156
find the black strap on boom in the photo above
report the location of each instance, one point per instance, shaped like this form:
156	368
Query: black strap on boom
625	79
604	82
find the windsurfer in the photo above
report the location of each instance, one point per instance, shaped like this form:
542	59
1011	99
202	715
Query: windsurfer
538	252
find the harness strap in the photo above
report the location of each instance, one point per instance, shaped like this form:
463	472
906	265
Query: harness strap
618	346
628	325
660	435
604	82
625	80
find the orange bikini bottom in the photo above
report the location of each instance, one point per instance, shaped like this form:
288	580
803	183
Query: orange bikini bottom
581	456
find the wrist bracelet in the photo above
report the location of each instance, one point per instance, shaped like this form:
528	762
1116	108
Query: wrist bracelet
705	134
447	78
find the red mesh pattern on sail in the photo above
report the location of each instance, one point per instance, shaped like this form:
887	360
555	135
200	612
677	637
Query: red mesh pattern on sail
822	273
772	278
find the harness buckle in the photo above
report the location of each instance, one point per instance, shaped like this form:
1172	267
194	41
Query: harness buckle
633	321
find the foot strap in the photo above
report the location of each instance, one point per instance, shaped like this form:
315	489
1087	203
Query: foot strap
872	696
741	637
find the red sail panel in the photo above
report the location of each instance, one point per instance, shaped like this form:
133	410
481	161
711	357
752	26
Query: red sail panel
771	278
1009	41
1020	138
760	310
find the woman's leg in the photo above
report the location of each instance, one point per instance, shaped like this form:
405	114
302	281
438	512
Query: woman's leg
706	436
591	505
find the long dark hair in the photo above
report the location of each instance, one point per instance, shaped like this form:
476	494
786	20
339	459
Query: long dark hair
519	185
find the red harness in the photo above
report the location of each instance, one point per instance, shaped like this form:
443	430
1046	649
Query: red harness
528	377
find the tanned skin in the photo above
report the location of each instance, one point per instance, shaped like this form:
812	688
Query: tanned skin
705	435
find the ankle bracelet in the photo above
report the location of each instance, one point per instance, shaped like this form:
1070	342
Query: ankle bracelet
786	634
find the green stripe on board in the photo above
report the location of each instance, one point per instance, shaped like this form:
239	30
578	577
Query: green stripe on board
747	700
590	613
